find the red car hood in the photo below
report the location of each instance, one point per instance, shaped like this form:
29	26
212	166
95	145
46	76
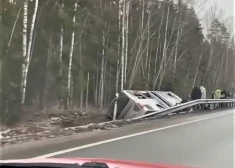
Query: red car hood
110	162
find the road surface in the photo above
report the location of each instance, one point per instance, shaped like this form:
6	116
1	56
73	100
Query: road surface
201	139
208	143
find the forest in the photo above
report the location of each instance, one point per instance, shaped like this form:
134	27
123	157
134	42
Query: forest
70	54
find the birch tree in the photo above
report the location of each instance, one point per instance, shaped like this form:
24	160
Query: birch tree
24	49
27	47
61	39
71	56
123	44
127	11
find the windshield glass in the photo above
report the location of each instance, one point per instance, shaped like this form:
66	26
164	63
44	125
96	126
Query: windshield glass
118	80
172	100
38	165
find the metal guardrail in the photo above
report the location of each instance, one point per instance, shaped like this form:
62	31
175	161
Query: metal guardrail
179	107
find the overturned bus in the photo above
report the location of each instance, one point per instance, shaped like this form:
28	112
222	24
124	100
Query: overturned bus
132	103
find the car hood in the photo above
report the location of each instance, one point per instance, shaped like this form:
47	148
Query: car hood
110	162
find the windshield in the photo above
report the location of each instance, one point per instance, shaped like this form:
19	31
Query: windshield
170	98
141	83
39	165
54	165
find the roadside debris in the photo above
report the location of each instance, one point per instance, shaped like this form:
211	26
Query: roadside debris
52	125
19	135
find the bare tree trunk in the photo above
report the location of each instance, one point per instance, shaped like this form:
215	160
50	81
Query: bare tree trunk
117	76
101	93
24	49
141	30
189	69
71	92
218	71
123	45
81	73
165	68
149	67
105	83
71	57
209	63
176	54
96	86
35	32
60	96
126	37
147	64
87	89
156	56
13	30
179	31
164	45
142	15
105	36
119	42
226	66
195	78
31	36
27	49
109	88
45	101
61	41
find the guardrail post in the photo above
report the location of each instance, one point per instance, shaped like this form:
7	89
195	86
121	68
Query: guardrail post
115	107
213	106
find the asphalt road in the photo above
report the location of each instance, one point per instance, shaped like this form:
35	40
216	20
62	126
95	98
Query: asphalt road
208	143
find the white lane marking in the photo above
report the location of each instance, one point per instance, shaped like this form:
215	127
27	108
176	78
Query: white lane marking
129	136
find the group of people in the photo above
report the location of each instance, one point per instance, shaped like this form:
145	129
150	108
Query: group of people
221	94
200	93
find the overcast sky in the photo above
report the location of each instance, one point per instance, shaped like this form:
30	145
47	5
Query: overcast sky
226	5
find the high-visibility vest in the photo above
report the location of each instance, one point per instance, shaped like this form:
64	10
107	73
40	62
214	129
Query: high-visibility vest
218	94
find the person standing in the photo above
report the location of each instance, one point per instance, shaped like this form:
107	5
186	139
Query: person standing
218	94
203	91
213	95
203	96
196	94
212	106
